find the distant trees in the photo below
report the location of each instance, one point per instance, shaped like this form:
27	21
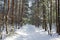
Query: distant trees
39	13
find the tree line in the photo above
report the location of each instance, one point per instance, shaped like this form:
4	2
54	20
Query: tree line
15	13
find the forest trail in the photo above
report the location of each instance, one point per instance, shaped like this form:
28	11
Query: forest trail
29	32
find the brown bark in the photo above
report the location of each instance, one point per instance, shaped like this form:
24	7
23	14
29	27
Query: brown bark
58	16
50	17
6	19
21	12
44	17
12	16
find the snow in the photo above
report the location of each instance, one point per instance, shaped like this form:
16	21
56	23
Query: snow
28	29
30	32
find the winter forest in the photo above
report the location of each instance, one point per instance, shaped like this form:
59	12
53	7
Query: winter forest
29	19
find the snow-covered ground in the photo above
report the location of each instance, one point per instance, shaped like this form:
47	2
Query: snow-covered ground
30	32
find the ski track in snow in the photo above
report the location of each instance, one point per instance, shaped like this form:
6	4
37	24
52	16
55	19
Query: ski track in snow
29	32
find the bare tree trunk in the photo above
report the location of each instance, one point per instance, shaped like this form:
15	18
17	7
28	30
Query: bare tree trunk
7	17
16	4
44	17
37	13
22	11
12	16
0	33
50	18
58	17
19	13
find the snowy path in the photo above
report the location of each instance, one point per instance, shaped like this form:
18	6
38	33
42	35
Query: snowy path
29	32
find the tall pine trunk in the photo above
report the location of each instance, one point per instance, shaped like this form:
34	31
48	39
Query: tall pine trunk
16	4
21	12
12	16
50	18
58	17
7	18
44	17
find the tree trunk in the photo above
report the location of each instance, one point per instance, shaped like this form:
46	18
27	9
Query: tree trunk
44	17
21	12
50	18
58	16
12	16
7	18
